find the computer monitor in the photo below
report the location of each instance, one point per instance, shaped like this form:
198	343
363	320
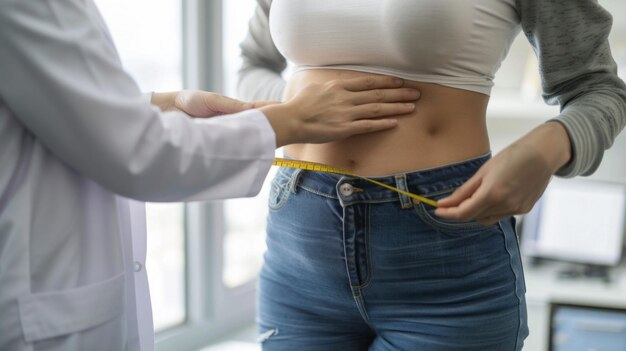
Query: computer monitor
577	220
577	327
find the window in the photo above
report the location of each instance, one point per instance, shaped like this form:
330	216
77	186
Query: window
244	241
152	54
202	283
151	50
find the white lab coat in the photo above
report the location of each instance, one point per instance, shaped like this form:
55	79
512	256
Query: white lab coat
76	139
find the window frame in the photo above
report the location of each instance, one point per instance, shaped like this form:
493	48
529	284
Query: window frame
212	309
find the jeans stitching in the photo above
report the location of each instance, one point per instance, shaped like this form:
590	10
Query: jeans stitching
282	196
317	192
360	305
519	299
370	283
368	255
380	201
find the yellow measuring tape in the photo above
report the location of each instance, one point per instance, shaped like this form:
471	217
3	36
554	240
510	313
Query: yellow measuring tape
320	167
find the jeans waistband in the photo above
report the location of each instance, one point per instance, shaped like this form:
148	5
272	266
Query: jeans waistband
427	182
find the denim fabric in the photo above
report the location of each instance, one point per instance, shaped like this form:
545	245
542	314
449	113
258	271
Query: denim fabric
354	266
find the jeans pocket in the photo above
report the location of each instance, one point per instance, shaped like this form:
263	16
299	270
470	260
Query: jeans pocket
280	190
443	225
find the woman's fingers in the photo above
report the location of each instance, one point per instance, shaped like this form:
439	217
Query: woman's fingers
471	207
510	183
462	193
493	214
489	221
470	203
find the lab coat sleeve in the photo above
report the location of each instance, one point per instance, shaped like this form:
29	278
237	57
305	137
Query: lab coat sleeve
62	78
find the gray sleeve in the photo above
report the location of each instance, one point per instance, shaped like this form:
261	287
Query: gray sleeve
260	74
577	71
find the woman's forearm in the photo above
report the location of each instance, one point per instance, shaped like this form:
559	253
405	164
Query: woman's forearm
552	142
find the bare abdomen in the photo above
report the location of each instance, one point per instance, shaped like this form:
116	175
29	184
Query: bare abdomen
448	125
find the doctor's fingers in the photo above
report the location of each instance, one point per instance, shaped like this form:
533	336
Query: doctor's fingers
384	95
368	83
364	126
375	110
201	104
259	104
220	104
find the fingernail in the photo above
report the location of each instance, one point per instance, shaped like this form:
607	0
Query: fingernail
410	105
398	81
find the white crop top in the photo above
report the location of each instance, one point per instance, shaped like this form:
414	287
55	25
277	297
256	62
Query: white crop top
456	43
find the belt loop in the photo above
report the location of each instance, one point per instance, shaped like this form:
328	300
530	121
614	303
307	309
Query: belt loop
295	179
401	184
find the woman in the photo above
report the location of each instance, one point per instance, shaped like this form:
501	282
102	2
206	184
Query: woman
351	266
77	140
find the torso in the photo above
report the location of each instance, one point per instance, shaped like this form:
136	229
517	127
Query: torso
448	125
448	49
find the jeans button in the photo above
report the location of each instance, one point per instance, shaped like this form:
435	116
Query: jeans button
346	189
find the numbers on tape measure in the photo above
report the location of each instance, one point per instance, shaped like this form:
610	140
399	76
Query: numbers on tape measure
320	167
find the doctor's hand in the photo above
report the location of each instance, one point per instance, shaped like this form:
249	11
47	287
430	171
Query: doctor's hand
338	109
202	104
512	181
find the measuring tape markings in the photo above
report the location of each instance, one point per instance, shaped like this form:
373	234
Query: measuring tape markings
320	167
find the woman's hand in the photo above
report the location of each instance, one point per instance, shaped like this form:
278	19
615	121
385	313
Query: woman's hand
339	109
202	104
512	181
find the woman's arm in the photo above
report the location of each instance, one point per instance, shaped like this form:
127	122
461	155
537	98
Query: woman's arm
260	74
578	72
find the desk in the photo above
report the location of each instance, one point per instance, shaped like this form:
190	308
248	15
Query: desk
544	287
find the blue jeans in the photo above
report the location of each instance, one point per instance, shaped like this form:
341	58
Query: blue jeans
354	266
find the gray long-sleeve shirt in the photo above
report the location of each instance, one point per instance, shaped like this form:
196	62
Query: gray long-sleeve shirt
577	71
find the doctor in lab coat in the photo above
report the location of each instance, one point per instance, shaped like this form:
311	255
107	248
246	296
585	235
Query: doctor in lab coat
77	139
